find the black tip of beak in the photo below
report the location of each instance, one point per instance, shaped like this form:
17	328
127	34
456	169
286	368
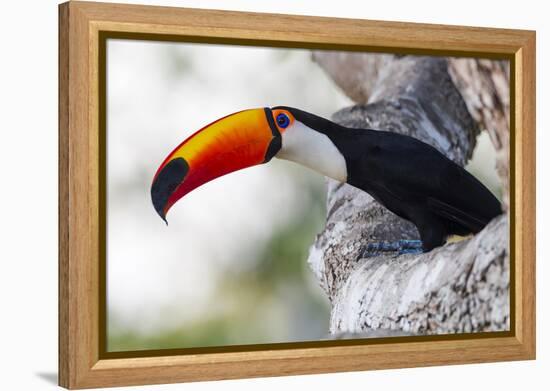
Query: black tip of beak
166	182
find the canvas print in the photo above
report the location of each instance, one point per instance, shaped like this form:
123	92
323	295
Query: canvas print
262	195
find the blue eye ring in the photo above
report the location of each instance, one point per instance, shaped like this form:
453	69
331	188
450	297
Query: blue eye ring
282	120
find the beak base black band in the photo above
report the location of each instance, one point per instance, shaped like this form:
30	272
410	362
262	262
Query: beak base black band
276	142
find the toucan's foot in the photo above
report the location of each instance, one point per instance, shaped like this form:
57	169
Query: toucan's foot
404	246
411	251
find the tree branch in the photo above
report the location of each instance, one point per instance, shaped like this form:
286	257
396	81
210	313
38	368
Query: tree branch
462	287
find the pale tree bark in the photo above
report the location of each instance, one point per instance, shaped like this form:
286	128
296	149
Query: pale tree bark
460	287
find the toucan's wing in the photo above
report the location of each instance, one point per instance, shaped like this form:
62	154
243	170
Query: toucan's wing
463	199
463	218
416	173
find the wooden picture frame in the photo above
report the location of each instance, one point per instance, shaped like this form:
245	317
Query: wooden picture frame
83	29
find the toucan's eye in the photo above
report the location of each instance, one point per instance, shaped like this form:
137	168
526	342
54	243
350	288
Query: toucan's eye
283	120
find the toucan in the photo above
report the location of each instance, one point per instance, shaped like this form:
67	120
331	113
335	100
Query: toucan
407	176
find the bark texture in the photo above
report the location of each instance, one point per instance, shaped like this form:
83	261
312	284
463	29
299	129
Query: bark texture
460	287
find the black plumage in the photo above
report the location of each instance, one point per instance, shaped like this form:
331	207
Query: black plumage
412	179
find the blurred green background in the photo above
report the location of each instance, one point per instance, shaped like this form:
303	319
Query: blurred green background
272	300
230	268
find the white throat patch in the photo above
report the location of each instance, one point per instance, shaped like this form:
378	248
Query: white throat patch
314	150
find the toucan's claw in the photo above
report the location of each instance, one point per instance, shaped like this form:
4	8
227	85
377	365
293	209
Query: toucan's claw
409	244
404	246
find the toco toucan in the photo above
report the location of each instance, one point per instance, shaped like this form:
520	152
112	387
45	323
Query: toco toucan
410	178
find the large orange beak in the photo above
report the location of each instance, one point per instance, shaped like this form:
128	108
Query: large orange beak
234	142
